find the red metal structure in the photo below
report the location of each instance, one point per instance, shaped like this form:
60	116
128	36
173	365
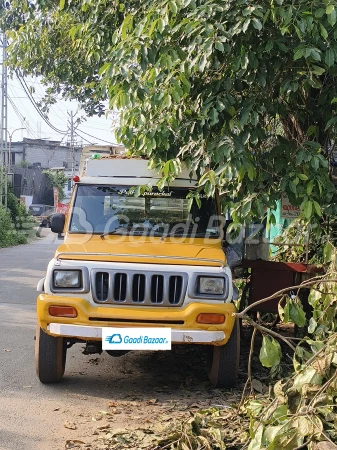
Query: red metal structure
268	277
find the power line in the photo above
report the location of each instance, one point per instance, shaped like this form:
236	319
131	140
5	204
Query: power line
22	118
31	98
94	137
86	140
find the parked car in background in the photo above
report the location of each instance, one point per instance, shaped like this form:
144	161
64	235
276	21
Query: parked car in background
42	214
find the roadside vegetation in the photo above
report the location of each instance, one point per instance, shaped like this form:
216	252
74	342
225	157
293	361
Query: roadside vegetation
16	224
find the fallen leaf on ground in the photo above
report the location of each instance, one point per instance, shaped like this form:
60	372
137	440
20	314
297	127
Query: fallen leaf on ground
73	443
70	425
103	427
257	385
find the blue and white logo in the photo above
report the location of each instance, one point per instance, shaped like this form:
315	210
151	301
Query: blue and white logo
114	339
136	338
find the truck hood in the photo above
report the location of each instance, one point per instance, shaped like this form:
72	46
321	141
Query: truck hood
183	251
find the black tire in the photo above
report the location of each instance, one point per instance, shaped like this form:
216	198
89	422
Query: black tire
50	357
224	361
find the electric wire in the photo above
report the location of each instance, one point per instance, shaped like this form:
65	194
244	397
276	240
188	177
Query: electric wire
31	98
84	139
95	137
43	116
22	118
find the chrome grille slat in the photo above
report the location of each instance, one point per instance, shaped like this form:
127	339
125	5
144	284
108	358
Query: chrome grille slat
138	288
127	287
102	286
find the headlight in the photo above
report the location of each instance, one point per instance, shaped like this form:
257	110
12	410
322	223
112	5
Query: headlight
67	279
213	286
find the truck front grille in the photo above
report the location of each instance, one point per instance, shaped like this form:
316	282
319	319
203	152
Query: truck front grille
141	289
102	286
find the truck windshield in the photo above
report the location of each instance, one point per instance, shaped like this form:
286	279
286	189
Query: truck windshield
108	210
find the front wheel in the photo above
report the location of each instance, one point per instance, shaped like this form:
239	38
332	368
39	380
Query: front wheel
224	361
50	357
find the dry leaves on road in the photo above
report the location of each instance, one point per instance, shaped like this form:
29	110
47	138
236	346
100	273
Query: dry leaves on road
70	425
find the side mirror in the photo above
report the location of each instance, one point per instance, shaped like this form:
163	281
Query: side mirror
57	223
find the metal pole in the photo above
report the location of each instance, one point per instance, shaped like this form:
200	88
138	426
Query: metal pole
10	146
9	152
3	134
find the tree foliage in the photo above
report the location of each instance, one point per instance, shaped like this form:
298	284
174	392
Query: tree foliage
55	179
243	92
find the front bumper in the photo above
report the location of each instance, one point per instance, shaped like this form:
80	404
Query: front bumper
178	336
90	319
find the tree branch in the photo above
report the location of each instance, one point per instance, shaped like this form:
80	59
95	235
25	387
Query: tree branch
305	284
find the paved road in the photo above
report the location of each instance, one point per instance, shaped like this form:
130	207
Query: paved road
32	415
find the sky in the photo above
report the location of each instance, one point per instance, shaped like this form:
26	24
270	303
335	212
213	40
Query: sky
35	127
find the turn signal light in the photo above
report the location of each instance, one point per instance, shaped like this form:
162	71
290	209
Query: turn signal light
211	318
62	311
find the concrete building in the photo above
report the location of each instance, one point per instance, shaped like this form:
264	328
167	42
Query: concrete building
31	157
44	154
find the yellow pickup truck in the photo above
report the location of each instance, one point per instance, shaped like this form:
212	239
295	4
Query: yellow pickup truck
136	272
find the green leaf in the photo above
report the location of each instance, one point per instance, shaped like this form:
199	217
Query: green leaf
314	297
257	24
173	7
312	325
137	191
246	208
332	17
105	67
328	252
214	117
332	121
329	9
308	209
308	377
219	46
292	187
270	353
62	4
310	187
324	33
256	442
302	176
251	173
296	313
280	412
329	57
317	70
315	54
317	208
298	54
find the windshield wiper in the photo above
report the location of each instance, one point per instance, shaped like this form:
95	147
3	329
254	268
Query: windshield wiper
108	233
189	233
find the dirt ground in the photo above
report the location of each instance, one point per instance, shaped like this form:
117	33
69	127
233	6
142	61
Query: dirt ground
153	390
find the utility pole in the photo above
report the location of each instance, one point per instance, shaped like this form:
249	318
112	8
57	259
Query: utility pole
3	131
72	141
72	127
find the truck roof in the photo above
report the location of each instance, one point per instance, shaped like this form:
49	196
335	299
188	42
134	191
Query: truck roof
123	170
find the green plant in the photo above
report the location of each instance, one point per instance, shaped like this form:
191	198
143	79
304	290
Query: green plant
55	179
8	234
